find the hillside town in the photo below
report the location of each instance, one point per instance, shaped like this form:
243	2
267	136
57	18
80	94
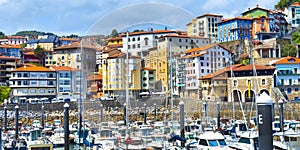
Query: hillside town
214	59
219	83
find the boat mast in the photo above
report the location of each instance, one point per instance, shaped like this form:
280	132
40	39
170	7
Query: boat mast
127	83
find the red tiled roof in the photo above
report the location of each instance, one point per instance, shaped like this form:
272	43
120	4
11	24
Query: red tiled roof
63	68
10	46
201	48
15	37
29	53
216	73
184	36
296	4
288	60
68	39
211	15
235	18
9	58
32	68
116	55
115	38
95	77
148	69
191	56
250	67
150	32
74	45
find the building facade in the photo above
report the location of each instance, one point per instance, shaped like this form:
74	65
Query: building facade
205	26
237	28
246	83
10	50
287	77
32	81
7	64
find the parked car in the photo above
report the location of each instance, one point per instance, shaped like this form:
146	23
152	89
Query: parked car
67	100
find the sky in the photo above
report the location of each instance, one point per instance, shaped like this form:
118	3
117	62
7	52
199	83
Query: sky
90	17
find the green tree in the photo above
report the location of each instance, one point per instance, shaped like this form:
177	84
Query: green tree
23	45
288	50
285	3
39	52
114	33
2	35
4	93
296	38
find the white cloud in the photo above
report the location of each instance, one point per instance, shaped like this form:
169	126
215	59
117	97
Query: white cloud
3	1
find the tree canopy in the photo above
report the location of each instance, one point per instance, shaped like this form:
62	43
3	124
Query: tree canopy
114	33
4	93
39	52
296	37
32	34
284	3
2	35
288	50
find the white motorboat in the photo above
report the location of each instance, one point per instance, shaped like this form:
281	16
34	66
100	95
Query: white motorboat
247	141
288	140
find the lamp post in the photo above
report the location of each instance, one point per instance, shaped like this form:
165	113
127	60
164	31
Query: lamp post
5	118
155	112
17	121
66	126
145	114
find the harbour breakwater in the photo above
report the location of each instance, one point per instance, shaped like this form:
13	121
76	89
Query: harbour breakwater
114	110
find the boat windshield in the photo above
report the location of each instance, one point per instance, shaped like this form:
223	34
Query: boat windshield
222	142
244	140
213	143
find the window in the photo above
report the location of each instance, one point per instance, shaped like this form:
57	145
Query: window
263	82
33	82
128	46
296	89
235	82
43	82
42	90
289	91
62	57
25	82
146	41
32	91
43	75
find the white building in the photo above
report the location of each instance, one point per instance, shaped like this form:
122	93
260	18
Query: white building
32	81
287	77
140	42
16	40
293	14
201	61
68	81
205	26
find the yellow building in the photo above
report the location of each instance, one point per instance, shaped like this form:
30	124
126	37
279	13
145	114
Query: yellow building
115	41
114	74
190	28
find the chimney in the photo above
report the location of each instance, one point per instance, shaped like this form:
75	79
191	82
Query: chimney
257	5
248	8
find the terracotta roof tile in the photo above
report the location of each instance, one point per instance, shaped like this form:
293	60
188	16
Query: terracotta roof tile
116	55
150	32
29	53
16	37
288	60
68	39
63	68
9	58
250	67
191	56
32	68
74	45
235	18
95	77
211	15
10	46
115	38
201	48
148	69
220	71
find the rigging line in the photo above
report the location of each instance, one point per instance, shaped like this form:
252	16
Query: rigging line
239	98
